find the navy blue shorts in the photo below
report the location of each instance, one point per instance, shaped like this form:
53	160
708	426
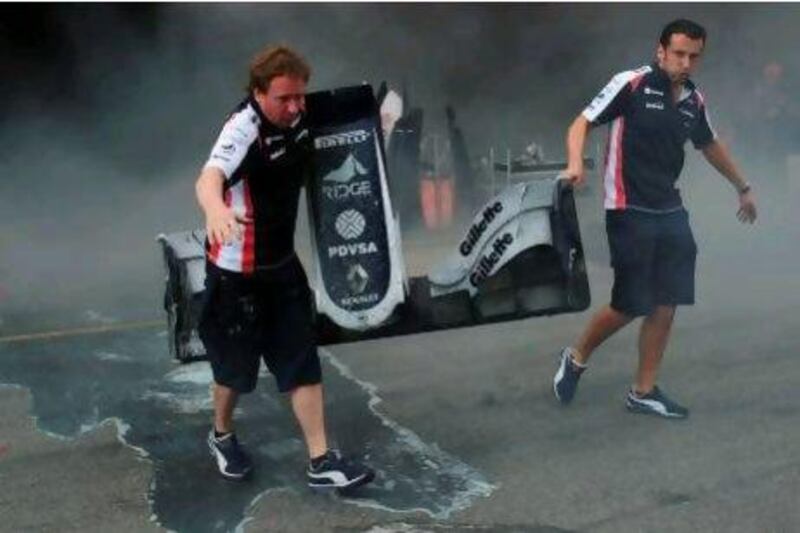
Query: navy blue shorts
653	257
264	315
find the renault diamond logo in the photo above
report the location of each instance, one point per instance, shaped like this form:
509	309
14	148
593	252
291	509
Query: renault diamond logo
357	278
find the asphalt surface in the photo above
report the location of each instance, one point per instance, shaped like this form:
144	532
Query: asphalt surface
103	432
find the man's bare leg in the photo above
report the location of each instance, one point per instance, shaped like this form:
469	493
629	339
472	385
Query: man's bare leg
232	461
225	400
604	323
653	338
325	470
307	403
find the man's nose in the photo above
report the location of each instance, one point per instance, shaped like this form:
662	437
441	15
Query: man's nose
296	106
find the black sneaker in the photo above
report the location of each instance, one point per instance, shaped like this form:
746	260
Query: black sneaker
232	461
655	403
333	471
565	382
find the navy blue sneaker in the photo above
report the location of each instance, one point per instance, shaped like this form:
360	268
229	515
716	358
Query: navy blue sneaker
565	382
333	471
232	461
655	403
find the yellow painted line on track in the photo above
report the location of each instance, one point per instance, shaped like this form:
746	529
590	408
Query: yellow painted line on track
55	334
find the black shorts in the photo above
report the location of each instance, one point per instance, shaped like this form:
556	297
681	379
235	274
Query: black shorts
264	315
653	257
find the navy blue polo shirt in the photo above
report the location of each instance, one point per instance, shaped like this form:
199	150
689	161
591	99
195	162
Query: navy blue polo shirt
648	131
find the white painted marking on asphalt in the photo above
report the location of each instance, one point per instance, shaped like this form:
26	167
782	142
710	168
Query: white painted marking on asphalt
35	418
198	373
431	454
240	526
113	357
187	403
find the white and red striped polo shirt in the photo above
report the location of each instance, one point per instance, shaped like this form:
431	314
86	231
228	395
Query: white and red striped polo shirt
265	168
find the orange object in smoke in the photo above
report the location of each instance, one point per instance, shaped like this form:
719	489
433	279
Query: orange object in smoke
437	198
446	201
427	197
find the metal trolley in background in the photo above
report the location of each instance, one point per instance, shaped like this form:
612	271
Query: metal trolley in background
501	169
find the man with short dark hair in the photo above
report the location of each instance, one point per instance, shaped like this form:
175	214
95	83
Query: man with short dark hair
258	303
653	111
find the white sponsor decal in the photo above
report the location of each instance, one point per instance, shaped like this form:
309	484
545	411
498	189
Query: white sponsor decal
654	105
343	191
648	90
339	182
349	169
489	260
350	224
352	249
362	299
477	230
341	139
687	113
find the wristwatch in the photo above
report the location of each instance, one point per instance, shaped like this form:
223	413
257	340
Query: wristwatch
745	189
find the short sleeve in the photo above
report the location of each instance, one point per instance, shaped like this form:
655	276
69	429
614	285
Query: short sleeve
612	101
238	133
702	134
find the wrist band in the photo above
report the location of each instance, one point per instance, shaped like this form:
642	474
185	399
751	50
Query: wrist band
745	189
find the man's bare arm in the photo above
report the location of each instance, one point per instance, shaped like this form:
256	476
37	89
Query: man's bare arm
576	140
222	225
717	154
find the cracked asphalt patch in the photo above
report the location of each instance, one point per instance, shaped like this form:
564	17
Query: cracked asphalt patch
163	411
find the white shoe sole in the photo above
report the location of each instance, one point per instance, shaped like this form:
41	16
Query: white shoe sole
635	407
350	484
220	462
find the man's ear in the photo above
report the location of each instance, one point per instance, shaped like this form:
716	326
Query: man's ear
661	53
